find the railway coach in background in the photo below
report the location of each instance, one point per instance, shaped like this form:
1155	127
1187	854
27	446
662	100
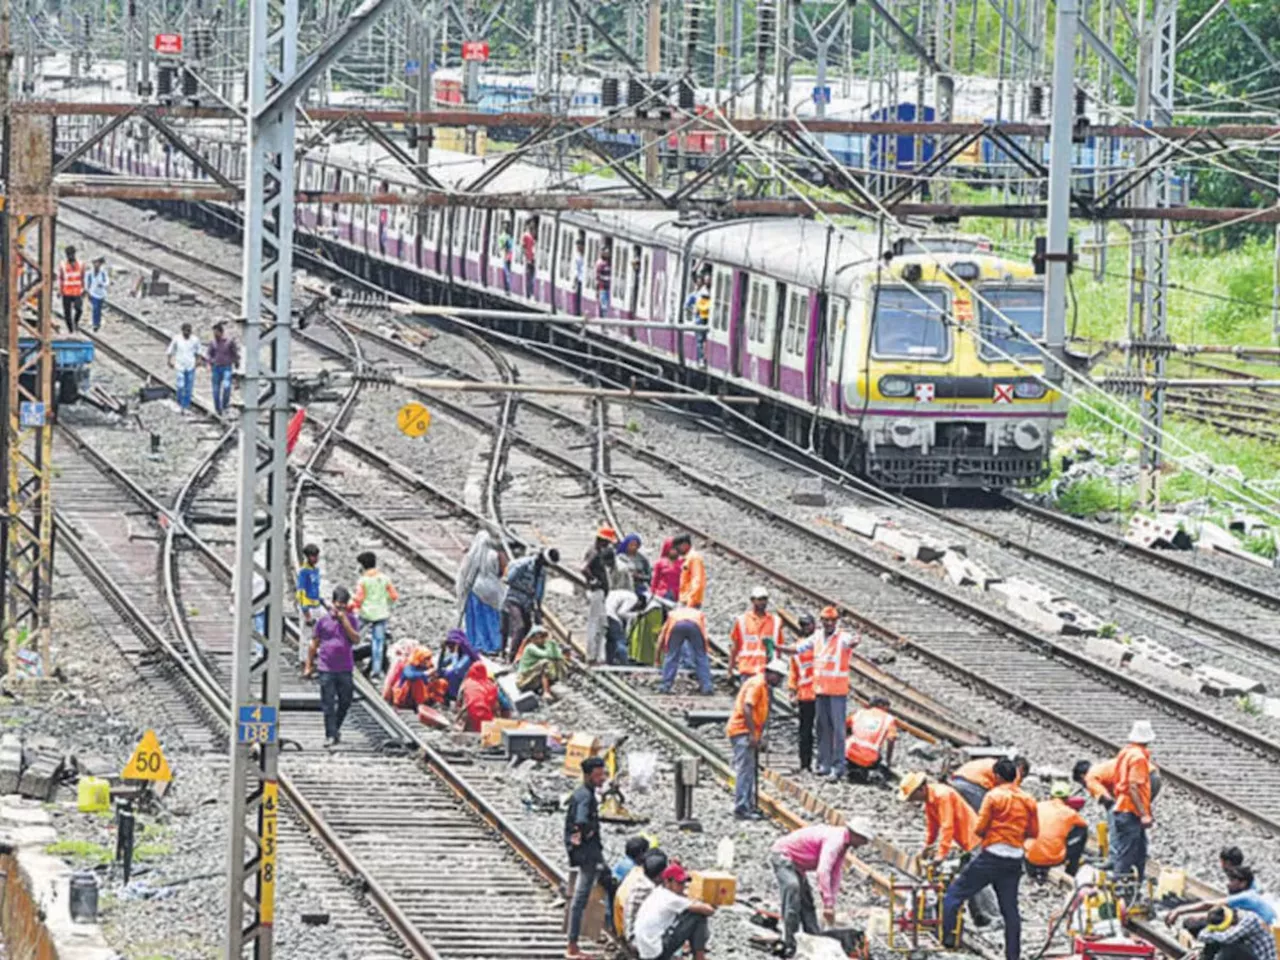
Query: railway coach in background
914	359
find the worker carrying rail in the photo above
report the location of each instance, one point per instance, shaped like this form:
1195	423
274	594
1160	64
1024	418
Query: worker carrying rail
1007	820
868	748
819	849
755	637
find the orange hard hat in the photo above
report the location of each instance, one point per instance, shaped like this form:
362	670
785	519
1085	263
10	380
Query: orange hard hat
607	533
829	613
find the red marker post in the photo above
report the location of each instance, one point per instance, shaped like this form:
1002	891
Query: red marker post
475	50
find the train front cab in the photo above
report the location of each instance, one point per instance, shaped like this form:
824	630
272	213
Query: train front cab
937	404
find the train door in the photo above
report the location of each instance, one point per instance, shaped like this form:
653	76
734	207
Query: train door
833	367
815	349
793	321
738	324
719	349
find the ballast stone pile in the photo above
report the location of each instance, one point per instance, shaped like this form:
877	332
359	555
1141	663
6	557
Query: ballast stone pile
1052	613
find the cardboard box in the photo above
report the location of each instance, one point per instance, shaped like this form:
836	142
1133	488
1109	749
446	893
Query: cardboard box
715	887
491	731
579	747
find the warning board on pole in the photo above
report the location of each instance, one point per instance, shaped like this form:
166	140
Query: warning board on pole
475	50
147	762
413	419
267	824
169	43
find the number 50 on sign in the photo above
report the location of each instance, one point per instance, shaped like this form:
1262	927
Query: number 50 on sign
147	762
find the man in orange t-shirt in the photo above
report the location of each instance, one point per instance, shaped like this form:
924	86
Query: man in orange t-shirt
1007	820
1133	803
745	731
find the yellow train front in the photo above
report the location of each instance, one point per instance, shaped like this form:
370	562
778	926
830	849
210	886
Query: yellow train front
946	393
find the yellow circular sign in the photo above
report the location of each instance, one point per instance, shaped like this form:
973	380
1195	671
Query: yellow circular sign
413	419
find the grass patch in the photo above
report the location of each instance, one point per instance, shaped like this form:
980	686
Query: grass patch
81	851
1094	495
153	851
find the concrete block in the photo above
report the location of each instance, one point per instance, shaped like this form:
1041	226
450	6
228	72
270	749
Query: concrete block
40	776
1107	651
809	493
1223	683
899	541
1077	621
957	568
21	814
1027	590
1161	531
983	576
1036	614
1271	707
1247	524
861	522
1167	676
10	765
1213	539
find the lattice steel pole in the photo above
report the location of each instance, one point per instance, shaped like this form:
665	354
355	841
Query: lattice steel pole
262	493
29	237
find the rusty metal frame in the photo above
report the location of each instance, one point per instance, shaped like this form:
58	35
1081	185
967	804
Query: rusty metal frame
29	238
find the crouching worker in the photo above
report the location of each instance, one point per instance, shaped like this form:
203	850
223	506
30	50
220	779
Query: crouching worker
479	700
410	682
1232	934
539	662
1063	834
667	921
873	731
818	849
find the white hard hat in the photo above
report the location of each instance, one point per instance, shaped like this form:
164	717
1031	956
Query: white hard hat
861	828
759	593
776	665
1142	732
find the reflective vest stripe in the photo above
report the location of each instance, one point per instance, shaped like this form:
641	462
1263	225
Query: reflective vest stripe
804	670
753	656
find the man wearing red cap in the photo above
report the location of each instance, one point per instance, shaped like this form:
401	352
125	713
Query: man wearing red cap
668	920
597	571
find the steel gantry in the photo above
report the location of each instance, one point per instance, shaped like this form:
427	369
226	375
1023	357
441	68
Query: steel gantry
276	82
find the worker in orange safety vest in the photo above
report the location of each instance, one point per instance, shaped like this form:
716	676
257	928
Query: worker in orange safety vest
693	572
1062	837
71	286
1133	814
873	731
755	637
745	731
832	651
800	682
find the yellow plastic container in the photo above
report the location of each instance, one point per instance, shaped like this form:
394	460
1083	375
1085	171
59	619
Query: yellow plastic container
93	795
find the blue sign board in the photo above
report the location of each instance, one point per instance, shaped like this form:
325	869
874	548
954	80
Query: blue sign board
821	94
412	68
30	414
256	724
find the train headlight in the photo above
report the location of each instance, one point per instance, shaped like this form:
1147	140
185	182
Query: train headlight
1029	390
895	387
1028	436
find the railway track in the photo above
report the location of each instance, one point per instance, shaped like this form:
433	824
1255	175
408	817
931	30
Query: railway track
656	716
331	792
1052	687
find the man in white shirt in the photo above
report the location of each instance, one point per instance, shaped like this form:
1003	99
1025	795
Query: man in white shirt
635	890
97	280
184	354
667	920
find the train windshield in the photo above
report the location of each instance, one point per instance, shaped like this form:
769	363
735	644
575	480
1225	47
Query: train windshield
911	323
1003	307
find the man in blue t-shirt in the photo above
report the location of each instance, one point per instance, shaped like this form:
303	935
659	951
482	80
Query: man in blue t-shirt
1242	894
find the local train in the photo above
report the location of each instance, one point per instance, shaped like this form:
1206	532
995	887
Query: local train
874	351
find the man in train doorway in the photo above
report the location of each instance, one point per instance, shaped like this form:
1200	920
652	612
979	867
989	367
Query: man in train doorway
529	246
507	245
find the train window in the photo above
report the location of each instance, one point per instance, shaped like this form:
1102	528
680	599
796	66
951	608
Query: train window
721	299
621	270
546	235
645	281
567	255
836	308
910	323
1023	308
593	254
477	230
793	336
758	311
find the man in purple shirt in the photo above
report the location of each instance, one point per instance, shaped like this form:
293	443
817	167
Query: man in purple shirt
331	641
223	355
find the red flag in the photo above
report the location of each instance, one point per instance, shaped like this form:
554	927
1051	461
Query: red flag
295	429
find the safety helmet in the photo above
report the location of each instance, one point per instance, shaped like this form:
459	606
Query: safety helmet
759	593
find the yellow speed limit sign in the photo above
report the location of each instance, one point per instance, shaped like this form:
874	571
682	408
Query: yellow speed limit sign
147	762
413	419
